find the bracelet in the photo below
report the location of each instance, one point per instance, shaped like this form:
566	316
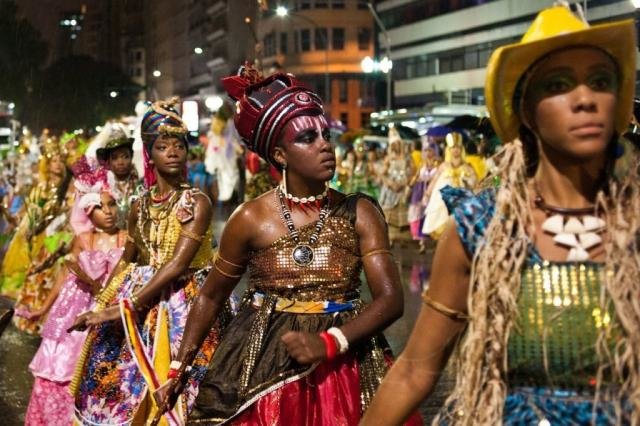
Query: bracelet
226	274
135	302
191	235
330	345
174	369
379	251
343	343
235	265
444	310
130	239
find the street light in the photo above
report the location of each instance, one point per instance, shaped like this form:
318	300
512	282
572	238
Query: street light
370	65
113	94
283	12
156	73
387	48
198	50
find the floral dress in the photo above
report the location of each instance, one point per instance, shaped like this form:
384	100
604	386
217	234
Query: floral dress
110	387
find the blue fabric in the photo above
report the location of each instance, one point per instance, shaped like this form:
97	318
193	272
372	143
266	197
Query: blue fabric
523	406
472	214
528	406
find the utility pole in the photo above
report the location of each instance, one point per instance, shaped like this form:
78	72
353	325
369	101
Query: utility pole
387	48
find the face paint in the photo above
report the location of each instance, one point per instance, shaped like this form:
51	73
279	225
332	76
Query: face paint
296	128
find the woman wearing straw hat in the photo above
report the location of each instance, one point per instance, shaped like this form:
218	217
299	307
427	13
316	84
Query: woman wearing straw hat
540	272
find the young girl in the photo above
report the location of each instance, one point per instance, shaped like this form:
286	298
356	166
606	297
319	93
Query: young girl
96	249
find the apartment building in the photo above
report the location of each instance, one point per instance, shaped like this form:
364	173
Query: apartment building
440	48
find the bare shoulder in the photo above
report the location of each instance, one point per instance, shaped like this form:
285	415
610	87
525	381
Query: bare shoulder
367	211
251	211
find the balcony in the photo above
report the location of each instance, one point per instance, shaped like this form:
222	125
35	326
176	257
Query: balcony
218	34
216	62
217	8
201	80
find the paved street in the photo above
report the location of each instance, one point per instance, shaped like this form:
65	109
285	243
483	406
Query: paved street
17	349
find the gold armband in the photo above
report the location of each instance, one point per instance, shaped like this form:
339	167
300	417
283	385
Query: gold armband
226	274
191	235
377	251
444	310
223	260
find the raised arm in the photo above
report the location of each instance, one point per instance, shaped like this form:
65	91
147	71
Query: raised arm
441	320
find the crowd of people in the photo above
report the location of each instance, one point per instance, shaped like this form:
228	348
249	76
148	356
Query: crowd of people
109	255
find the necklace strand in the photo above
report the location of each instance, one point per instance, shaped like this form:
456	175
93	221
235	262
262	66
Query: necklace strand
303	254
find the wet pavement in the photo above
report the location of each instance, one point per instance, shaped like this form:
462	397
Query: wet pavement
17	349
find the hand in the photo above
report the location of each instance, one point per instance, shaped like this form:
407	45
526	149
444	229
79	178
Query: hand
24	312
305	348
167	395
90	318
32	315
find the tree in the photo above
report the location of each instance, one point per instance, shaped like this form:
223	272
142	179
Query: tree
22	53
79	92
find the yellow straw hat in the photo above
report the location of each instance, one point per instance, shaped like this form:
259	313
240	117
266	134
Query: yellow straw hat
557	28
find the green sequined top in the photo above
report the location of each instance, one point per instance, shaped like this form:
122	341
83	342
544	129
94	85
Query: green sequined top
553	342
559	317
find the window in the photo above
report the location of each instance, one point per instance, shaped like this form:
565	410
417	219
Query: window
305	40
483	57
283	43
270	44
342	91
322	4
296	41
305	4
457	63
138	55
364	38
337	4
138	72
344	117
471	60
364	119
321	38
320	88
362	4
337	39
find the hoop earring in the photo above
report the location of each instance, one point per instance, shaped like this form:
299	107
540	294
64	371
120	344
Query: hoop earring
284	179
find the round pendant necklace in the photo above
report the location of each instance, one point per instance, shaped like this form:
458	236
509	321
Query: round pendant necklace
302	253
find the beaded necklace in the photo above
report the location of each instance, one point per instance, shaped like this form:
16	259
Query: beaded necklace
156	212
303	253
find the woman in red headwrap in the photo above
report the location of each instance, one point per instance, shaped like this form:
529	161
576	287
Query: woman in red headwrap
304	348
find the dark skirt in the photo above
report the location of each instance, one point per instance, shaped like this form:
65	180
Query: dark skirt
253	379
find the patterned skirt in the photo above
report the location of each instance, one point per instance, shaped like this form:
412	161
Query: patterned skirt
110	388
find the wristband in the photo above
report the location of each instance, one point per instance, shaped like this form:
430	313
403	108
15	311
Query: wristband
174	369
343	343
330	345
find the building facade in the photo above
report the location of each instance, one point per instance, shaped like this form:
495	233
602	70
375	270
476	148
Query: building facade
440	49
323	42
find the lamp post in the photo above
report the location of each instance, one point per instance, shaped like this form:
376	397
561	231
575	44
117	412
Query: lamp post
282	12
387	48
